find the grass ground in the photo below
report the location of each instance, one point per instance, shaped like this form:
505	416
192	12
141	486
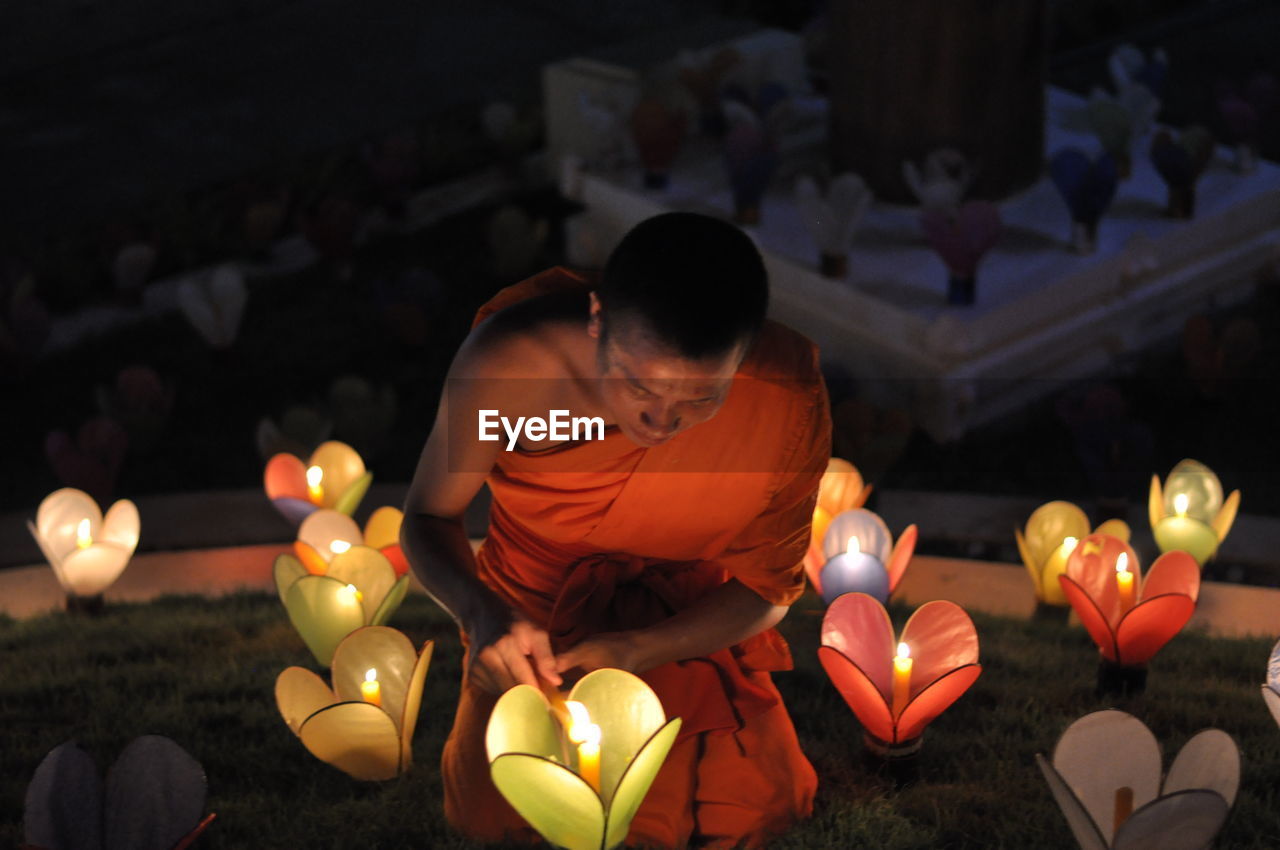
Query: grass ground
202	672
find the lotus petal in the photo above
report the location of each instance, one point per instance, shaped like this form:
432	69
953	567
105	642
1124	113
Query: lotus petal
1209	761
1049	524
311	559
87	572
1226	517
1197	482
285	477
1155	502
58	519
628	713
408	721
555	801
1091	617
342	467
1186	534
54	558
942	638
357	738
854	574
155	795
350	498
390	602
383	528
371	573
636	780
63	805
1028	561
377	648
1273	667
1186	820
868	703
323	613
1116	528
901	556
286	570
1104	751
1149	625
1083	827
1092	566
300	694
121	526
859	628
933	698
873	535
1173	572
521	722
294	510
323	527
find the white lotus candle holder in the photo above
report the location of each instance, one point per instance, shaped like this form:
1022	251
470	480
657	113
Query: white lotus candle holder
334	477
580	791
833	219
1189	513
861	556
154	797
1271	688
364	725
86	550
358	588
326	534
1106	777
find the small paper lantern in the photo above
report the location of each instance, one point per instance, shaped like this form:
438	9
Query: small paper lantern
841	489
962	237
334	477
87	551
153	800
547	778
1271	689
1105	776
358	588
1188	514
858	653
1052	532
364	725
862	557
832	219
325	534
1129	624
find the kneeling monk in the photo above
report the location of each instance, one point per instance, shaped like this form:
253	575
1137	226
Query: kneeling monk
667	541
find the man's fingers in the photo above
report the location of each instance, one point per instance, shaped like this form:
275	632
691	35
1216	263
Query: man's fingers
518	666
545	658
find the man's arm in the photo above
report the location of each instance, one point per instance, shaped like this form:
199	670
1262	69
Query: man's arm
449	474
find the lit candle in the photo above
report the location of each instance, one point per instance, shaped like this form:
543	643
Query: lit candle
337	547
1180	504
370	689
901	678
314	476
352	595
586	735
1185	533
1124	582
854	570
1124	806
83	540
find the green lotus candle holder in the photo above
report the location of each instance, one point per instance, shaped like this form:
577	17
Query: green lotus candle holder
1189	514
364	724
577	772
359	588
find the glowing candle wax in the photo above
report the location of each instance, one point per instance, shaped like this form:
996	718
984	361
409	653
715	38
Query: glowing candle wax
1124	582
351	595
314	488
370	690
586	735
901	678
83	539
855	570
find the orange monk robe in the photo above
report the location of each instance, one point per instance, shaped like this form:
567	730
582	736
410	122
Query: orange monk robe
606	535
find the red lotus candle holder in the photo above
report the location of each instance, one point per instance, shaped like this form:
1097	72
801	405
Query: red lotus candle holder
896	694
1129	618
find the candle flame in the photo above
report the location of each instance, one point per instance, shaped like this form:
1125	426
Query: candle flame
1180	504
854	548
581	730
1122	563
314	476
904	651
1069	544
83	540
337	547
353	592
371	675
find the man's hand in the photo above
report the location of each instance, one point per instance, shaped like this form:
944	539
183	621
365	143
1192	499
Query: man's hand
517	657
609	649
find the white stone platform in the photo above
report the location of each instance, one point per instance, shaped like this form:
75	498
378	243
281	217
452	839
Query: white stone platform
1043	314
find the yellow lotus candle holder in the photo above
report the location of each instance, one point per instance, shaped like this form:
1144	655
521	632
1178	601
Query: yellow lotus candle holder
87	551
364	725
358	588
334	477
1189	513
326	534
580	783
1052	532
840	489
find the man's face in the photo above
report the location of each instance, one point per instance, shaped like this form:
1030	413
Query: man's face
655	393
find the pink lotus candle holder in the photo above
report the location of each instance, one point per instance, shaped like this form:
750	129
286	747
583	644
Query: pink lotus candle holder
862	557
1129	618
1189	514
334	477
326	534
895	695
1106	777
841	489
